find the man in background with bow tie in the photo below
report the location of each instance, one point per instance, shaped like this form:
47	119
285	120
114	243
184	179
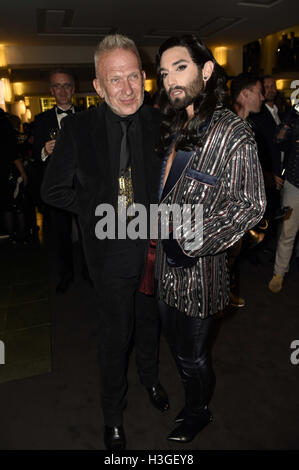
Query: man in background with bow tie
62	87
46	126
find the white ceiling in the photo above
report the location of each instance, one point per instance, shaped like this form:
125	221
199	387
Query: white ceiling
82	22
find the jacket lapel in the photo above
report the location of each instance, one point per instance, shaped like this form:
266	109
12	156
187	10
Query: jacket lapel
104	169
183	158
179	164
98	138
53	123
150	125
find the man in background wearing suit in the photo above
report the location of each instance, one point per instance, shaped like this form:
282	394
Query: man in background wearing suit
46	127
265	125
99	155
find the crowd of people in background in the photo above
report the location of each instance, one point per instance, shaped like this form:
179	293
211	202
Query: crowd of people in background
287	53
275	124
20	181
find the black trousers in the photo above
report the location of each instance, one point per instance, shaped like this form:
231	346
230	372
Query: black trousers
125	314
61	228
187	338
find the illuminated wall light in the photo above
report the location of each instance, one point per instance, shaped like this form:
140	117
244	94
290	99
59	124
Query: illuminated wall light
18	88
220	54
7	89
280	84
22	107
3	62
28	114
150	85
2	94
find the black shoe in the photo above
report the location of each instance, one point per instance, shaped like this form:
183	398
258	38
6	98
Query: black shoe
114	438
190	427
158	397
181	416
63	286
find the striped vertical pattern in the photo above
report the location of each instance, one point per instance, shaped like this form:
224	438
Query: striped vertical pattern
223	175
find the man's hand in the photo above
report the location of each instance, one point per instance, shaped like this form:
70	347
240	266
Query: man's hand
282	133
49	147
278	182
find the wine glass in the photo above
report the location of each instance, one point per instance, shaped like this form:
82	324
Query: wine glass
53	134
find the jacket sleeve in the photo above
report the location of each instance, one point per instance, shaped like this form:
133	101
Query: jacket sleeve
241	208
58	188
39	137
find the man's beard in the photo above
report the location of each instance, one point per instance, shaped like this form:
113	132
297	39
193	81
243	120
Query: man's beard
270	97
191	92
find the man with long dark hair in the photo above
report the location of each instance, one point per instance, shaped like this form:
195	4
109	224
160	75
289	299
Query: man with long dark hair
211	162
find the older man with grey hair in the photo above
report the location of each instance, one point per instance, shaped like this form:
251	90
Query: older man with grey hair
109	154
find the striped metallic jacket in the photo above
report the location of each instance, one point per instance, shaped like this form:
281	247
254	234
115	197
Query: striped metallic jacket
224	176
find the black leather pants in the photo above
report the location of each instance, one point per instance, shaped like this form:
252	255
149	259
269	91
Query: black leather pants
187	338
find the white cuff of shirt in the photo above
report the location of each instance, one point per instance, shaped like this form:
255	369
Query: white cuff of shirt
43	155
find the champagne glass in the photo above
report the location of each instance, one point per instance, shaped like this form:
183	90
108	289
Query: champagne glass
53	134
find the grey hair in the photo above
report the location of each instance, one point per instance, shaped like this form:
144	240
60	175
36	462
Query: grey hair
112	42
63	70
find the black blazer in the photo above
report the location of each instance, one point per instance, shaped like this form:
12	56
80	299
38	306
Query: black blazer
265	129
43	123
80	176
